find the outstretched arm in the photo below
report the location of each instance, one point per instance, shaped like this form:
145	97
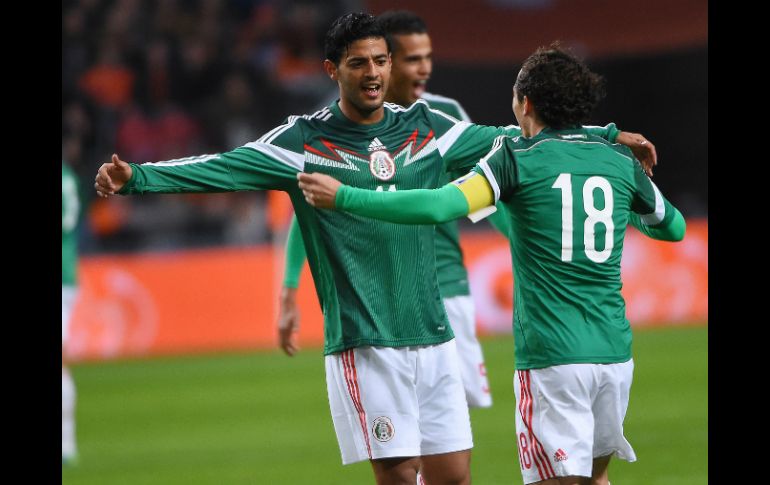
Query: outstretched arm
420	206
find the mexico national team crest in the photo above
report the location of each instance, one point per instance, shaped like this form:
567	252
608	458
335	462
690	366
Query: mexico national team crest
380	162
383	429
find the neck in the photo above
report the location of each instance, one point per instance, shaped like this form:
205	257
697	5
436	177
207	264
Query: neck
356	115
531	127
392	99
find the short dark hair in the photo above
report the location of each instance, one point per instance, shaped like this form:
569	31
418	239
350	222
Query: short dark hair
400	22
348	29
562	89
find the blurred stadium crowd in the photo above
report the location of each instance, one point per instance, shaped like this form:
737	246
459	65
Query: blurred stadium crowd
160	79
157	80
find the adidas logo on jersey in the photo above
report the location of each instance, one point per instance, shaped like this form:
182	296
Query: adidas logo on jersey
375	145
560	455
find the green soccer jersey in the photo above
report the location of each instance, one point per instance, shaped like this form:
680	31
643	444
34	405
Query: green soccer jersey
452	275
569	195
376	281
70	211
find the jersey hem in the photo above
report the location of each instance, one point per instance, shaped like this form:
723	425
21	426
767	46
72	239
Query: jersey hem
386	343
576	360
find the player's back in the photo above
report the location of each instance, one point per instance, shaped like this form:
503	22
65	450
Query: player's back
570	211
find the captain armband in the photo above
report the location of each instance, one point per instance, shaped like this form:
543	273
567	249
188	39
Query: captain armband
478	193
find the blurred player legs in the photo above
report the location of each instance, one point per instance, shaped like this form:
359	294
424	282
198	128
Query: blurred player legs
461	313
68	396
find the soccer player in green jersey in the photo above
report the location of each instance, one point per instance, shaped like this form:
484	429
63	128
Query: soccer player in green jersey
393	378
411	68
70	212
569	195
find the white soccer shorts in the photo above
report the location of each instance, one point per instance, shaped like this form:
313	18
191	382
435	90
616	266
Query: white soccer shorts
68	295
462	317
567	415
397	402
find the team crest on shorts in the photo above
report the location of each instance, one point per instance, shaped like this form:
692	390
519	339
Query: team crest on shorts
383	429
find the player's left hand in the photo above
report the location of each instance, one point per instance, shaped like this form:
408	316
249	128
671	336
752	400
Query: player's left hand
642	148
320	190
288	321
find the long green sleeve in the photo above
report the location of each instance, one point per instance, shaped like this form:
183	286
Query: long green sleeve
295	256
671	229
419	206
609	132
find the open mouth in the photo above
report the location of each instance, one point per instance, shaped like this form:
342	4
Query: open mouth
372	90
419	87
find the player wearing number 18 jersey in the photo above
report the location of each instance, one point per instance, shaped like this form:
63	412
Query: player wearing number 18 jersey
570	196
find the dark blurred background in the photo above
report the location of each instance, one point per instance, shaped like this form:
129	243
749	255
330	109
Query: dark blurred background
156	80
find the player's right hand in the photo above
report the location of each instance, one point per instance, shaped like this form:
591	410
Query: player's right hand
112	176
319	189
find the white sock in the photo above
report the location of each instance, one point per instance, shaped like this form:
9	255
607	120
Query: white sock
67	414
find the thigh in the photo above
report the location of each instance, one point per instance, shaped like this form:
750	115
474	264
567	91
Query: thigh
554	421
444	421
373	402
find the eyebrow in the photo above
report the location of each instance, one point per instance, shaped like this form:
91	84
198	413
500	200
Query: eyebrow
364	58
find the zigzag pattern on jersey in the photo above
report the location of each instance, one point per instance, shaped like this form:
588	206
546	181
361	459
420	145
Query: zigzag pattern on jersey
409	152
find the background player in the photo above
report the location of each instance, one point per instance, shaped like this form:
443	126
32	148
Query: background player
70	214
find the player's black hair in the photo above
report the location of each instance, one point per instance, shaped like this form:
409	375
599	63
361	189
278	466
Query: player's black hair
348	29
562	89
400	22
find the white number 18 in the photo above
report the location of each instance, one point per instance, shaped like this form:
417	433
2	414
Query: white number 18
594	216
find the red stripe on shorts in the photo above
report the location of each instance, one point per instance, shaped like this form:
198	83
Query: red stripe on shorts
525	408
351	377
536	445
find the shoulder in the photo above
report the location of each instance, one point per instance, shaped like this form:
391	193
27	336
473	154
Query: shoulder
293	126
318	117
446	105
417	107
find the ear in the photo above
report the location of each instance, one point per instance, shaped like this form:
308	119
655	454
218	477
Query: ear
331	69
527	106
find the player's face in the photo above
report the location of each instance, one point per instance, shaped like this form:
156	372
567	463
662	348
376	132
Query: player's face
363	75
412	67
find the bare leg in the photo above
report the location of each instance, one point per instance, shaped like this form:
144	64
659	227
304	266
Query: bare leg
396	471
68	448
447	468
600	471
